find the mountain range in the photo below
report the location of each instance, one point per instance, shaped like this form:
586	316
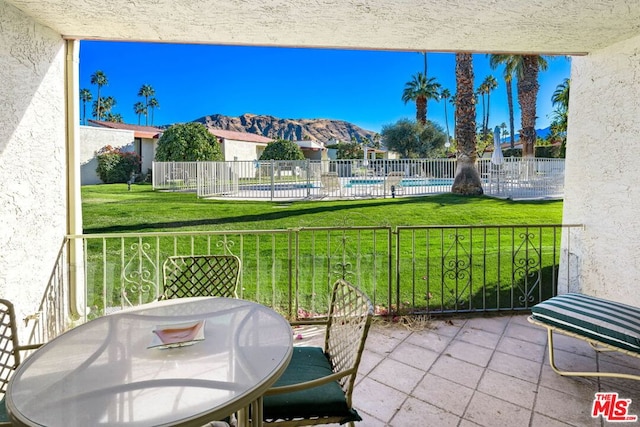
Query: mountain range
323	130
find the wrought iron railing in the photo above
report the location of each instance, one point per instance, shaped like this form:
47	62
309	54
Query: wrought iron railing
277	180
54	314
404	270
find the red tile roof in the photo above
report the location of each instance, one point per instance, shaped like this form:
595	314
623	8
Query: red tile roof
240	136
138	131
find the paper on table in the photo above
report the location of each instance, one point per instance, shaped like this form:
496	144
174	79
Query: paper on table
177	334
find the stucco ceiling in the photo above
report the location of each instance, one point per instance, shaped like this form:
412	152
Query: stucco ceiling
510	26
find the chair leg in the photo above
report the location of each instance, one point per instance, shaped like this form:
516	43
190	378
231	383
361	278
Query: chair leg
582	374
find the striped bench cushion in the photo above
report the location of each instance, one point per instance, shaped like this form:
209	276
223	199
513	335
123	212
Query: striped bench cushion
606	321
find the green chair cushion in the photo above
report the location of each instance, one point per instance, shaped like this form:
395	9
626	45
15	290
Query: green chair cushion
328	400
4	416
606	321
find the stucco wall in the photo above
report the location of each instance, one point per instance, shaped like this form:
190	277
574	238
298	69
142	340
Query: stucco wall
243	150
92	139
602	173
32	155
148	153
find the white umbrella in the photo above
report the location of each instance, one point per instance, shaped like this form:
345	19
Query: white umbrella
497	158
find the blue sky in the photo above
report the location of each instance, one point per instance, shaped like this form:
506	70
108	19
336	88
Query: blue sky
361	87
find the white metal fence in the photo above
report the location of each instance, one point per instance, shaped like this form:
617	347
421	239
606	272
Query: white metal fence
306	179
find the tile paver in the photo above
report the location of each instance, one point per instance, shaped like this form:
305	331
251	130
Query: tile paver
484	371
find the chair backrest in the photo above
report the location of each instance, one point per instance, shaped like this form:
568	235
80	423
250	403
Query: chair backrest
394	178
201	275
350	316
330	181
9	345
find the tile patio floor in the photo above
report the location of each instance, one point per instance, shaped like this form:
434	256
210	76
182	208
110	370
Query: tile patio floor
482	371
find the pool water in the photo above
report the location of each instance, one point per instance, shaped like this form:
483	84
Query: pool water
406	182
277	187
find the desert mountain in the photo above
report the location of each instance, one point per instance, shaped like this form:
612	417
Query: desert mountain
322	130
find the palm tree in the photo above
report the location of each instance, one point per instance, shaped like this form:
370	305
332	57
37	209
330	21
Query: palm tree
482	91
490	84
560	99
147	91
467	180
105	110
153	104
85	96
99	79
525	68
445	94
454	102
111	117
420	89
527	97
509	70
140	109
503	126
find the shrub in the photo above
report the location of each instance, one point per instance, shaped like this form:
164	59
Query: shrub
115	165
188	142
282	150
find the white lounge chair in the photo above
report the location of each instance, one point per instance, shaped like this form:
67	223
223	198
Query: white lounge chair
331	184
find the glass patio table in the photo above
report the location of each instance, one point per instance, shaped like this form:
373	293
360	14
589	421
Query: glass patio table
223	354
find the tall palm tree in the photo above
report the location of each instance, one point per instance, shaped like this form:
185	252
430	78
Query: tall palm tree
454	102
490	84
445	94
509	71
420	89
153	104
140	109
147	91
527	98
525	68
467	180
85	96
482	91
99	79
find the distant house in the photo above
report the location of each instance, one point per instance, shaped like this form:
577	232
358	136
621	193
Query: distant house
141	140
240	145
313	150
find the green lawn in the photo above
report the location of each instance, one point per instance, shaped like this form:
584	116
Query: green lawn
112	209
443	269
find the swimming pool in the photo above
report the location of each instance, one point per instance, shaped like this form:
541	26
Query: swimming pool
406	182
277	187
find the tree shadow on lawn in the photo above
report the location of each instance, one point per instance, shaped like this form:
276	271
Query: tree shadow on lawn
342	205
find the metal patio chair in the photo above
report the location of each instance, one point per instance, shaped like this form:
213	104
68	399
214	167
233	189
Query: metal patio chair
317	386
330	184
10	350
201	275
393	183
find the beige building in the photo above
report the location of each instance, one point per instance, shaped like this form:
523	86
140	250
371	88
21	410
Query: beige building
40	133
240	145
142	140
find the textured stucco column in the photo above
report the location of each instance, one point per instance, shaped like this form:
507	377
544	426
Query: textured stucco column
32	155
74	201
602	180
